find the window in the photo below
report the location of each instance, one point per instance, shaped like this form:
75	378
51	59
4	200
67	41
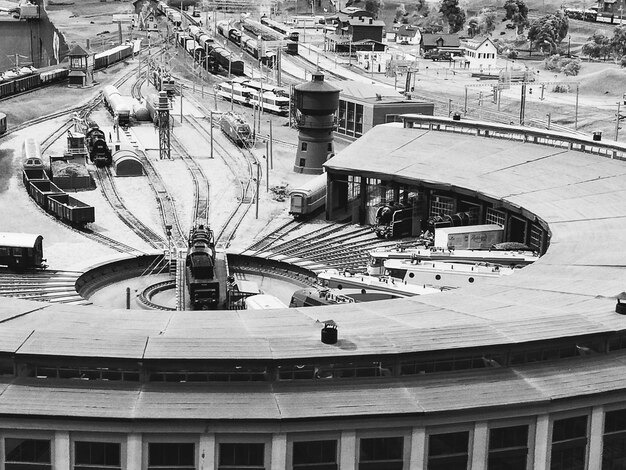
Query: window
96	455
166	455
330	147
508	448
448	451
495	216
27	454
381	453
303	162
614	445
569	444
441	205
315	455
250	455
303	147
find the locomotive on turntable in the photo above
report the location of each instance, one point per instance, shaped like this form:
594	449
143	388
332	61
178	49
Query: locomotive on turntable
202	284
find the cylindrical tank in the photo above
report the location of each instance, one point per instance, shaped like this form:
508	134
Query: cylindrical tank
141	112
316	97
316	104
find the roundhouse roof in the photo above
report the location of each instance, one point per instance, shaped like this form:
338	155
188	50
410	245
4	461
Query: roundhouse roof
569	292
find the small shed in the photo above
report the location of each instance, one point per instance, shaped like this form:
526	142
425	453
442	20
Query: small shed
127	163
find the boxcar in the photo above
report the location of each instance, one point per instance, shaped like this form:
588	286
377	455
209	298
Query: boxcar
3	123
21	251
70	209
40	190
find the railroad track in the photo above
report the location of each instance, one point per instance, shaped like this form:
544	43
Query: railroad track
49	286
110	193
279	234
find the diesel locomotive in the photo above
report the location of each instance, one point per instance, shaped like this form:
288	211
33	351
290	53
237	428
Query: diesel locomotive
204	288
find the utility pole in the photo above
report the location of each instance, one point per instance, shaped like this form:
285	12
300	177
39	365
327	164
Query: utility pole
211	121
617	121
576	112
181	103
267	166
522	106
258	179
271	155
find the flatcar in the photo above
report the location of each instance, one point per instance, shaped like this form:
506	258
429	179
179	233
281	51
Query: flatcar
3	123
31	154
117	105
97	148
204	289
236	128
20	251
308	198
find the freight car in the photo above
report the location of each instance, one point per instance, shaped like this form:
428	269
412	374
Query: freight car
21	251
204	289
238	130
117	105
163	81
3	123
227	60
267	33
112	56
308	198
97	148
70	210
41	190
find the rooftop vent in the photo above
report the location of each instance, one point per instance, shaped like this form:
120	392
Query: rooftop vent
329	332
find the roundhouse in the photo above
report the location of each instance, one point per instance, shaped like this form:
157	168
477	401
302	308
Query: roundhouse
524	372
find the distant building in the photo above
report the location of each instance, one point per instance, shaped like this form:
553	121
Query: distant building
374	61
408	34
614	8
480	52
363	106
435	41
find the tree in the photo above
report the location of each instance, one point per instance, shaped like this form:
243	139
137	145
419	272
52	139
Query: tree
453	14
400	13
618	41
373	6
472	26
487	21
547	32
597	46
517	13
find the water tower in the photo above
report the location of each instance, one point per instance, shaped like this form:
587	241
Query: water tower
316	104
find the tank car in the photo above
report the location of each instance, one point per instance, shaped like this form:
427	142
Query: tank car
204	289
393	220
99	151
234	126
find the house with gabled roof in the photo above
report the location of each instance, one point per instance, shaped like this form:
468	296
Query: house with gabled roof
480	52
431	41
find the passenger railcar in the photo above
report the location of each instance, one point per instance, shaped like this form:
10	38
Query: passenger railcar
3	123
236	128
204	289
308	198
117	105
31	154
20	251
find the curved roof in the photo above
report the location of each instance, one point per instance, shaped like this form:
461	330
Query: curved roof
569	292
14	239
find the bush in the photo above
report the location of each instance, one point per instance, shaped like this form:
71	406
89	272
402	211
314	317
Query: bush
622	61
512	54
572	68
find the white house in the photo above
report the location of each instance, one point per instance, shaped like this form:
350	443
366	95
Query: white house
480	52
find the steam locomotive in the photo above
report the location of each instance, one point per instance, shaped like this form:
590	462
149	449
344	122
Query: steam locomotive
99	151
204	289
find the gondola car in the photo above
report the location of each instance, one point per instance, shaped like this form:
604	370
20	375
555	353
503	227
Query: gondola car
204	289
308	198
3	123
70	210
20	251
97	148
238	130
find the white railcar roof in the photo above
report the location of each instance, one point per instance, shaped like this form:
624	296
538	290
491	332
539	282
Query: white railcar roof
11	239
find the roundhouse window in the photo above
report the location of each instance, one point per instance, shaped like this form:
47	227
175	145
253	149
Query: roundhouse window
448	451
569	444
614	445
168	455
315	455
508	448
96	455
237	455
27	454
381	453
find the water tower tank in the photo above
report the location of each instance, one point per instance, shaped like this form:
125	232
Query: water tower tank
316	104
317	97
